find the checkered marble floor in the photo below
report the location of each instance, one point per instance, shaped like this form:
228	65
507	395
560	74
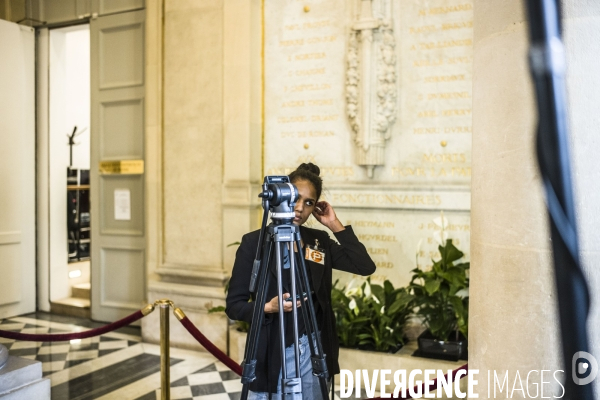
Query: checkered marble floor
117	365
214	382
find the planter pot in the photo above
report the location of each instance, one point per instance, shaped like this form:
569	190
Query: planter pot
451	350
393	350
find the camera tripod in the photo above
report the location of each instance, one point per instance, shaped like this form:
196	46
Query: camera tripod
278	238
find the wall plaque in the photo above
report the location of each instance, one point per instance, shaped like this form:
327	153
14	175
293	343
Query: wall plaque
122	167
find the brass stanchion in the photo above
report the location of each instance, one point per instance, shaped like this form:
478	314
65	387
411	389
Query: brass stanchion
165	373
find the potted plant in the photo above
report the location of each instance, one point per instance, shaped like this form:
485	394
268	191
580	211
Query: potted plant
441	298
371	317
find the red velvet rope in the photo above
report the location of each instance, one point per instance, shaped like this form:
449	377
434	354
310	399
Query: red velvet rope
208	345
433	384
63	337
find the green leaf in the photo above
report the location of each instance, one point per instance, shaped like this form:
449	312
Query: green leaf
457	304
388	287
455	276
463	266
451	253
432	286
378	292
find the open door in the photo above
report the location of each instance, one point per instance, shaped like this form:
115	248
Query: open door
116	168
17	170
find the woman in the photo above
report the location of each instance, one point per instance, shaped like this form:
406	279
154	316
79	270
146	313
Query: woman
349	255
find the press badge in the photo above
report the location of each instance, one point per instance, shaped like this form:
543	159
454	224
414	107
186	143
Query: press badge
315	254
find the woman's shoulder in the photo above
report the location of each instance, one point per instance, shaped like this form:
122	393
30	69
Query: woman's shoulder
251	237
320	234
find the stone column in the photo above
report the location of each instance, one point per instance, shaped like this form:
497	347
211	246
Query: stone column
242	131
203	142
514	321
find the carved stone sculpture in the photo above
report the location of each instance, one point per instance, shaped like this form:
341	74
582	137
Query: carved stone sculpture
371	82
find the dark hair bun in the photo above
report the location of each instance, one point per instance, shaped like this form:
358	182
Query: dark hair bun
310	167
308	172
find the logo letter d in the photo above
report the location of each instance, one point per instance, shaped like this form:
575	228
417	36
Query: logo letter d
580	368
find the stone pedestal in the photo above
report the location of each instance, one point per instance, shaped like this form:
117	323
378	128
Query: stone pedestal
195	302
237	344
3	355
21	378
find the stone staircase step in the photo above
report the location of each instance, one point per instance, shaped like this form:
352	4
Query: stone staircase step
71	306
81	291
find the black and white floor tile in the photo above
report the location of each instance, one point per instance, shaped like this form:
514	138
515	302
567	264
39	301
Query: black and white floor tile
117	365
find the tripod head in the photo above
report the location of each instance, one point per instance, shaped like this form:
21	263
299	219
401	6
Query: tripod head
279	197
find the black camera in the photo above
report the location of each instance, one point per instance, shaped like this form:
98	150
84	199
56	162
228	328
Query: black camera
279	197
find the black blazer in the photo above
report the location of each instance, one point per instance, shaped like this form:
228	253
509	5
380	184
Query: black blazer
349	255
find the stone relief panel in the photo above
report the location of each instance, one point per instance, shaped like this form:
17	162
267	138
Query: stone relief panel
371	82
378	94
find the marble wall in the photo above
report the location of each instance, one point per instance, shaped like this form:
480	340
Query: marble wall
378	94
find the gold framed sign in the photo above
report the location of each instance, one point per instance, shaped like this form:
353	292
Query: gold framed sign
122	167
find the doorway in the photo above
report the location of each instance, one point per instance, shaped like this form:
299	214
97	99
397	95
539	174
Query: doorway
102	115
68	172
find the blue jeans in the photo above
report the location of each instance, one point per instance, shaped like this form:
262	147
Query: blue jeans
310	383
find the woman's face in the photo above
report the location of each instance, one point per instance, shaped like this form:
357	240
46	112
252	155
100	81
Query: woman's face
306	201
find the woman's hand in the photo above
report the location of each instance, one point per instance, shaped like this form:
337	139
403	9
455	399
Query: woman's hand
324	214
273	305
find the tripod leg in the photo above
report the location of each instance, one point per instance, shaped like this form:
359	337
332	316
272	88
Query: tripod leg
291	387
279	260
317	357
249	364
332	387
313	331
294	307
